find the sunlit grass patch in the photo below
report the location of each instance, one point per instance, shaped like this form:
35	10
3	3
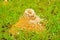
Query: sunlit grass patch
48	10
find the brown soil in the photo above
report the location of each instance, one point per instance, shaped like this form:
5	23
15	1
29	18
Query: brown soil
23	23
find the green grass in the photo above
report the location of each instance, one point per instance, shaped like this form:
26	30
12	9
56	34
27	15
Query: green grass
48	10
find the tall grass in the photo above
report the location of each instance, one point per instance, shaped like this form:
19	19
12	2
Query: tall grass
13	9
